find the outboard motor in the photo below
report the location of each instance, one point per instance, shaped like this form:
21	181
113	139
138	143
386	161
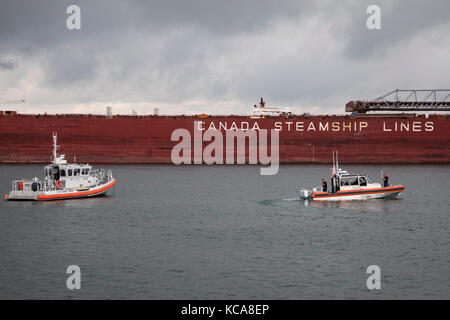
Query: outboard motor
305	194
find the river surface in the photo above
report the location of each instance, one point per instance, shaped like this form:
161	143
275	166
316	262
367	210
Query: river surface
226	232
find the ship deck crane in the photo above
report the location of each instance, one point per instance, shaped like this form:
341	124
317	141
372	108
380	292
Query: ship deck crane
404	100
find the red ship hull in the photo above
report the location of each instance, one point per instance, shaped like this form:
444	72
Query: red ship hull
302	139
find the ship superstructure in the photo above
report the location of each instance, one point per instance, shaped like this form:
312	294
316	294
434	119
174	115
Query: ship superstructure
261	111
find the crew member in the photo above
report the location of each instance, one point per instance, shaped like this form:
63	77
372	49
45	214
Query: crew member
324	185
386	180
333	182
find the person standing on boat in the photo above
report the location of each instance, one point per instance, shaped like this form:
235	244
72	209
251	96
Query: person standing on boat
333	182
324	185
386	180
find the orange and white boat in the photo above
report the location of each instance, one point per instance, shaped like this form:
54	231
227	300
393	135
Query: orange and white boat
345	186
63	181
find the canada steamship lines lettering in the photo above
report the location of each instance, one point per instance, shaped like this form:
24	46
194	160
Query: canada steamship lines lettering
324	126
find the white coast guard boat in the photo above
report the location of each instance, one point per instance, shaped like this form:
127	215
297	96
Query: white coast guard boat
345	186
63	181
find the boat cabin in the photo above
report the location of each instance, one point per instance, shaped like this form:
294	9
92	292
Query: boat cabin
71	175
353	181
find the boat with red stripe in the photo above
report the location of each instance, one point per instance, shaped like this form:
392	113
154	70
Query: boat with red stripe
345	186
63	181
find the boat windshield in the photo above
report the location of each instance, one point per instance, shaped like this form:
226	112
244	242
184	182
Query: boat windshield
349	181
369	180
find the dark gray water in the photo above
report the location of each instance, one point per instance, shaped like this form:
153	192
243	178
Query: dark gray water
200	232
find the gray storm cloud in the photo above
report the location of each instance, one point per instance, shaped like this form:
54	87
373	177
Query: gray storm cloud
7	64
217	57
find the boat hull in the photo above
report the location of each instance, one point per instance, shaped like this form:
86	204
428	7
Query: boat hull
361	194
61	194
302	139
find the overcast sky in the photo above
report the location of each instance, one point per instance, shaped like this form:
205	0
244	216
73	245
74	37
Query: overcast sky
217	57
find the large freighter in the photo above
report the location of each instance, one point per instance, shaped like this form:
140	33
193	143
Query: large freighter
360	137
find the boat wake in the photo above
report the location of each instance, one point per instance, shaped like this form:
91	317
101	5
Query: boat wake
280	202
372	205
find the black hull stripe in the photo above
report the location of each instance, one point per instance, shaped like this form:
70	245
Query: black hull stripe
349	193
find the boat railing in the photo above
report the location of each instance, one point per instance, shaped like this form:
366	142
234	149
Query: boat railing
19	184
27	185
109	175
94	172
102	175
99	173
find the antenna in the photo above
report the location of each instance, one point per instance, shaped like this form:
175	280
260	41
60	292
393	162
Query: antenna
334	168
337	161
55	146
